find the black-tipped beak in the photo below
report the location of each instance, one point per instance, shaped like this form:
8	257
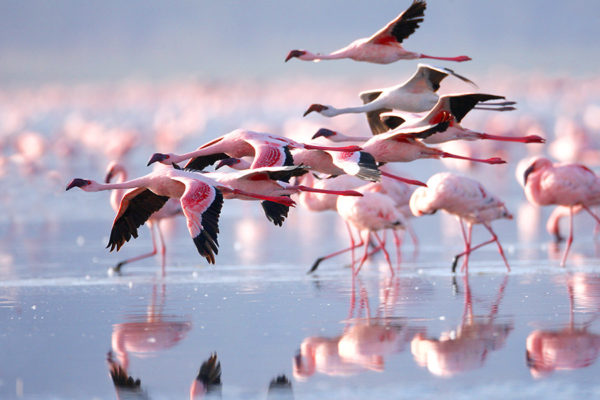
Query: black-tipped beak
109	176
314	107
227	162
324	132
156	157
527	172
294	53
77	182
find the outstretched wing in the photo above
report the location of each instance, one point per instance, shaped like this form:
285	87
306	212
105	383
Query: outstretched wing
275	212
460	105
135	209
420	132
268	154
199	163
403	26
357	163
373	117
201	204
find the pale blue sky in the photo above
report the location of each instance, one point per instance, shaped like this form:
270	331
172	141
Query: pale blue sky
74	40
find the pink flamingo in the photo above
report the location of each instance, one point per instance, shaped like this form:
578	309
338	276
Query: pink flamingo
171	208
367	214
201	200
402	145
383	47
458	106
417	94
468	200
268	150
571	185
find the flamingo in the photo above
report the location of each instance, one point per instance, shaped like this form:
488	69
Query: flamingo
208	380
368	214
468	200
570	185
401	145
201	200
268	150
385	46
171	208
417	94
458	105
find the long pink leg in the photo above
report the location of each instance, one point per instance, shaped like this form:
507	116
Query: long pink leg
325	191
398	244
520	139
495	238
337	253
352	246
457	59
569	239
366	253
586	208
493	160
163	249
117	268
385	253
465	265
466	241
286	201
405	180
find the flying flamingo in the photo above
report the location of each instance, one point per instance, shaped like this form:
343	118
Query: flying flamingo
383	47
468	200
367	214
402	145
458	105
417	94
201	200
171	208
570	185
268	150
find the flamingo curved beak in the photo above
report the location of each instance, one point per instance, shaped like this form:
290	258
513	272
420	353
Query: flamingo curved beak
314	107
294	53
109	175
156	157
324	132
77	182
527	172
227	162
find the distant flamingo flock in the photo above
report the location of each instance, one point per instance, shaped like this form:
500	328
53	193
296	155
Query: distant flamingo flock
355	179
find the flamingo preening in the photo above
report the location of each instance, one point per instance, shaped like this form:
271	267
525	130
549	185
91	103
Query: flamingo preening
385	46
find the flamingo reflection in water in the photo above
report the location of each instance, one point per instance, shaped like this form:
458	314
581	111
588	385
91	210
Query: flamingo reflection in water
467	347
362	345
573	346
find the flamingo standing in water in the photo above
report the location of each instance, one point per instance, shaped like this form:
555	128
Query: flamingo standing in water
570	185
417	94
458	105
268	150
402	145
171	208
383	47
201	200
468	200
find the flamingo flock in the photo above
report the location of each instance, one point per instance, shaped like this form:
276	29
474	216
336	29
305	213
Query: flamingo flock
406	122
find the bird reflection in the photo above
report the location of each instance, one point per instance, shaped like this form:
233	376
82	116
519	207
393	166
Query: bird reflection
208	380
467	347
149	333
573	346
362	346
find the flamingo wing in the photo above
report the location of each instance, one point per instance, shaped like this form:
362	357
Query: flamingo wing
420	132
268	154
199	163
275	212
201	204
135	209
460	105
373	117
402	26
357	163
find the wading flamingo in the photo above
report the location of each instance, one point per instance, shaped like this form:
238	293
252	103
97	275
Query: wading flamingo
171	208
570	185
383	47
468	200
201	200
268	150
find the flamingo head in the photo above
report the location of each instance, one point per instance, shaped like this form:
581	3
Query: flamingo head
328	133
315	107
161	158
80	183
113	169
295	53
536	165
230	162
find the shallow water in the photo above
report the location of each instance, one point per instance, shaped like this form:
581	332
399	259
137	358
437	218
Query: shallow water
420	334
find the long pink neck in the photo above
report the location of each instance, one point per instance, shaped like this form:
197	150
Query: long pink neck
117	195
336	55
132	184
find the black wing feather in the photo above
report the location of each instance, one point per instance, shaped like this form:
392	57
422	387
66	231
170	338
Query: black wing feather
199	163
210	374
368	167
275	212
140	208
409	21
206	242
460	105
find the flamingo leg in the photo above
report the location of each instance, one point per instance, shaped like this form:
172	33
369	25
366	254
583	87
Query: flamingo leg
569	239
385	253
163	248
337	253
586	208
398	244
493	160
366	253
457	59
465	265
117	268
520	139
495	239
405	180
352	246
